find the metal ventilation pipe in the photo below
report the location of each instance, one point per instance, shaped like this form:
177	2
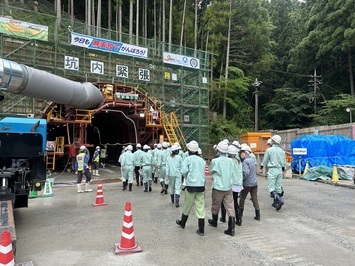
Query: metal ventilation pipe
28	81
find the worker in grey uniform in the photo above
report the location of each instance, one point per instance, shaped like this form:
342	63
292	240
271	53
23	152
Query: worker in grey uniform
127	165
146	163
173	173
222	170
137	162
193	167
275	160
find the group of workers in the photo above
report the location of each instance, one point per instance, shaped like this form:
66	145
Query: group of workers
233	171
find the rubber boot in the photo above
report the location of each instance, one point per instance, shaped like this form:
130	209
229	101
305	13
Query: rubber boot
137	182
223	214
79	188
231	227
162	187
166	189
130	186
145	187
183	220
241	210
238	218
87	189
172	198
213	221
257	215
201	227
177	199
124	185
97	173
150	185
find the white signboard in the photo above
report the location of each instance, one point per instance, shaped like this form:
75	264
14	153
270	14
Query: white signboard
181	60
299	151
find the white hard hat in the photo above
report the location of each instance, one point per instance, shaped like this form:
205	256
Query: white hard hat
175	147
159	146
245	147
193	146
138	145
236	143
199	151
276	138
82	148
97	147
222	146
269	141
146	147
226	140
129	148
164	144
232	149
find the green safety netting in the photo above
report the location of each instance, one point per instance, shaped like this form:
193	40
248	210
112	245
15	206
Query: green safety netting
324	173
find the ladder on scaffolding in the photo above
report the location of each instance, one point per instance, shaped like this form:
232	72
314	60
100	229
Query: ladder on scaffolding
172	129
58	150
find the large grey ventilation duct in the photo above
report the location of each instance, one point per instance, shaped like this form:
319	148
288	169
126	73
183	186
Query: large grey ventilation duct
20	79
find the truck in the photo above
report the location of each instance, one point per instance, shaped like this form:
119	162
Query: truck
22	158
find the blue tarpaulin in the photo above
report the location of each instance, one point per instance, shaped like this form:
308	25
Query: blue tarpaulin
322	151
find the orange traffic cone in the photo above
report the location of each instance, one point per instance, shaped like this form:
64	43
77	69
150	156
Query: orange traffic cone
6	252
128	243
99	196
207	170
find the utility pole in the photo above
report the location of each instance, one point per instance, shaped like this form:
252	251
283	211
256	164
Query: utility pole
256	85
316	81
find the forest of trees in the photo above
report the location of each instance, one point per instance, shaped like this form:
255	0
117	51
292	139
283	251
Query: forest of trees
301	51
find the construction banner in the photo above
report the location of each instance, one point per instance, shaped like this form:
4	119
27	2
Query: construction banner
23	29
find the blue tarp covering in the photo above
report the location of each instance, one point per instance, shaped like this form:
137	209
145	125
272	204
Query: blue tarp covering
323	151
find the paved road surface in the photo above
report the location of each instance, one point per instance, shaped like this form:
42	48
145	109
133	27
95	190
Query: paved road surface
316	226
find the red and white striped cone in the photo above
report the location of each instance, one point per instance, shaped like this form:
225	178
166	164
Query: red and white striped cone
6	252
99	196
128	243
207	170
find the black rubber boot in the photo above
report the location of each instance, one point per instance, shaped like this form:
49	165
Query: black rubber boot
162	187
150	185
257	215
238	218
231	227
155	180
177	199
166	189
124	185
213	221
145	187
183	220
172	198
130	187
201	227
223	213
241	210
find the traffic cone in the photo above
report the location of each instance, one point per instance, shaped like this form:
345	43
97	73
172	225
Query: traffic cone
305	169
6	252
99	196
128	243
207	170
335	177
47	192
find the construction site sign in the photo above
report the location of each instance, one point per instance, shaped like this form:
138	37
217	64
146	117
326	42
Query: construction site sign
181	60
23	29
105	45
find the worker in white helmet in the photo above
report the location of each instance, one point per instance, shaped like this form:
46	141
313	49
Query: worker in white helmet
147	163
82	168
137	161
156	151
103	156
127	166
96	161
173	173
222	170
193	167
161	164
275	160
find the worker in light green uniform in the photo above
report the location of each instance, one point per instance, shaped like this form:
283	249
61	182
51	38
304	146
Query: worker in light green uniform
222	170
275	160
161	164
127	165
173	173
193	167
146	163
